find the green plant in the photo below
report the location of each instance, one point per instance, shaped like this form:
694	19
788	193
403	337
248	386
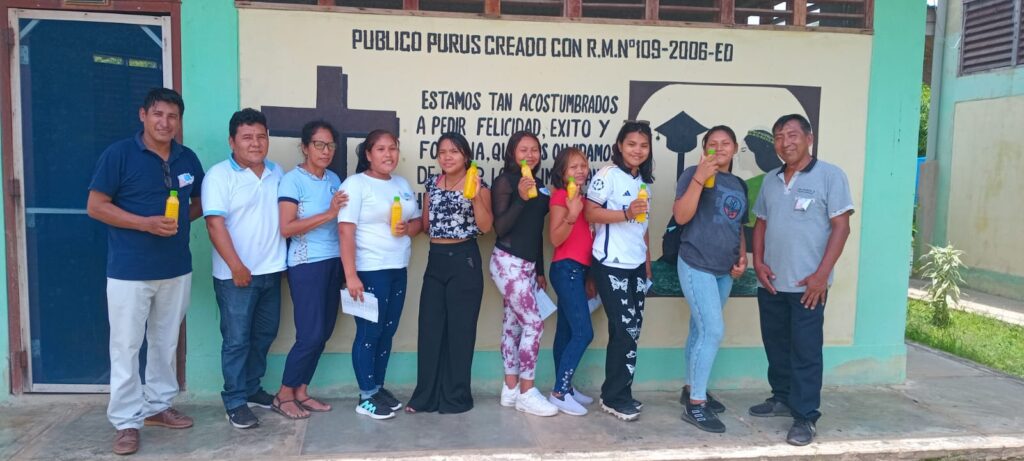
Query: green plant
942	269
922	135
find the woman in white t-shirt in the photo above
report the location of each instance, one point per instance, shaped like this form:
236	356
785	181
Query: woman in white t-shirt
375	260
622	262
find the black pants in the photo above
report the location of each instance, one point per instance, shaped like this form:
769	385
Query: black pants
453	285
622	294
793	338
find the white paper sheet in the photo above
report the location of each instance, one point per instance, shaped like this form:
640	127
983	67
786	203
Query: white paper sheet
366	309
545	305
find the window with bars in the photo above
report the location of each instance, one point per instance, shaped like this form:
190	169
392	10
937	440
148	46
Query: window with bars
991	35
830	14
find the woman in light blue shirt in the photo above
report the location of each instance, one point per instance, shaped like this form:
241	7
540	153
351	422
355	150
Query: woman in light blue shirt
309	198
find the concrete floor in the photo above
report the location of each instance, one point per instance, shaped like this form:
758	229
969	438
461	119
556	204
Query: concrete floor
946	408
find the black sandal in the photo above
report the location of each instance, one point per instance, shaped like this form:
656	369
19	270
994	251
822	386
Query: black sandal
302	403
276	406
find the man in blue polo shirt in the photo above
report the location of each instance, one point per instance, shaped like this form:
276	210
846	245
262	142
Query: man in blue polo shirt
240	205
149	266
803	219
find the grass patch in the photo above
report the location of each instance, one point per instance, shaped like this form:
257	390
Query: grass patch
990	342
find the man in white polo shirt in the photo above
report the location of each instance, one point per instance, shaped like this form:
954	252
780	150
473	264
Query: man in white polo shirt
242	219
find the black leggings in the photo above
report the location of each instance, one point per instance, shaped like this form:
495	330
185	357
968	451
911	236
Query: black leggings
453	285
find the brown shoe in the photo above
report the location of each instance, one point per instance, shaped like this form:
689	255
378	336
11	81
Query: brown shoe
169	418
126	442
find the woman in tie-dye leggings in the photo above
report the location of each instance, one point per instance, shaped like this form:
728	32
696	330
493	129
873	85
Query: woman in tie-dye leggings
517	268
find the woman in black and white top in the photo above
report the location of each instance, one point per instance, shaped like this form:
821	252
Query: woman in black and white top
622	261
453	283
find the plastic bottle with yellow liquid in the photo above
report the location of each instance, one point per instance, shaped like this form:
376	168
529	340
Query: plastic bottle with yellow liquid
710	183
472	179
396	215
527	173
643	195
172	206
572	189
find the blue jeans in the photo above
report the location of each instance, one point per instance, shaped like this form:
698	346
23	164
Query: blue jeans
316	294
707	294
574	331
249	318
371	348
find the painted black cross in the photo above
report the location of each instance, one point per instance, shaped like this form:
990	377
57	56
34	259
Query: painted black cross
332	107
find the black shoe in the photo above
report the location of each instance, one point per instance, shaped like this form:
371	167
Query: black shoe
374	408
387	398
626	412
260	399
770	407
242	417
638	404
713	403
703	417
802	433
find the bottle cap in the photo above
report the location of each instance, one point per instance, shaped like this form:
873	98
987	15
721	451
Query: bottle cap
472	163
643	186
522	162
397	198
572	179
174	193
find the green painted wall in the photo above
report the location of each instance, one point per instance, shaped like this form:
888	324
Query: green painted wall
210	88
985	85
878	355
5	373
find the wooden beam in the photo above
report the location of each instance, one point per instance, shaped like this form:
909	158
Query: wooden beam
869	14
726	11
492	7
573	9
651	13
799	8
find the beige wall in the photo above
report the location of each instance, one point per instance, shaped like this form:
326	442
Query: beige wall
986	184
280	50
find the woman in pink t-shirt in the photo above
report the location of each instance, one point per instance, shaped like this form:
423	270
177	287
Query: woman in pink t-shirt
571	236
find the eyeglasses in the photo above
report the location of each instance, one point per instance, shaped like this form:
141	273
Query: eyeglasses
167	174
320	145
639	122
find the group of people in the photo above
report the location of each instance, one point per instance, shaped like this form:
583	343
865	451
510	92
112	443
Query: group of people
328	236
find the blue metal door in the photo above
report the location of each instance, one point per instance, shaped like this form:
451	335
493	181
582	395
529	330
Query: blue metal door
80	78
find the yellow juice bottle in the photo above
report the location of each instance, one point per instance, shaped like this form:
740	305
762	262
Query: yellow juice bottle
711	181
396	215
643	195
527	173
572	189
172	206
472	179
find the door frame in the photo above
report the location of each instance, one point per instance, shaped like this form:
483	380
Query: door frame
12	186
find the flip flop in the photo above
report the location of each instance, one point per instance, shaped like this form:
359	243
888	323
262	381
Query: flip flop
308	408
276	406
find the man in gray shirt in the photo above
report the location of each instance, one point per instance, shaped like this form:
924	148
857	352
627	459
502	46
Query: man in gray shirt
803	219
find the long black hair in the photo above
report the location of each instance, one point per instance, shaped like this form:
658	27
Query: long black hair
510	152
646	168
362	161
460	144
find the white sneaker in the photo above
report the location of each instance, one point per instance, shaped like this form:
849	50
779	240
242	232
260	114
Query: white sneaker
534	403
567	405
508	396
580	397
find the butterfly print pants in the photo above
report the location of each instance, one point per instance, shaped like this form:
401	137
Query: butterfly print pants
622	293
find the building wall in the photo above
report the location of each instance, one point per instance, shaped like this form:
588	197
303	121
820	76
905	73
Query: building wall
978	160
874	354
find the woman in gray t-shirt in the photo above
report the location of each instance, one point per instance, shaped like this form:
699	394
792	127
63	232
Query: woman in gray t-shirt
711	206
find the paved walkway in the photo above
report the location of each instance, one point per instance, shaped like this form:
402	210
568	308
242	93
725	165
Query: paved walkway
947	407
1007	310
